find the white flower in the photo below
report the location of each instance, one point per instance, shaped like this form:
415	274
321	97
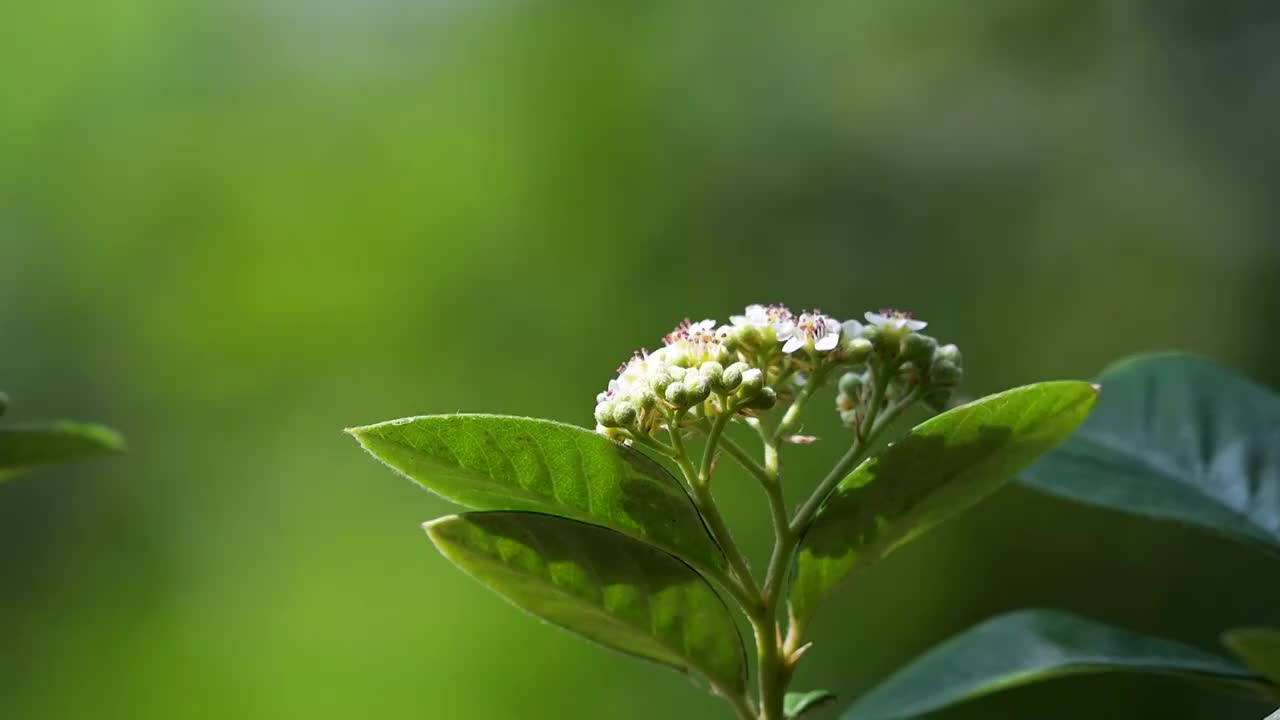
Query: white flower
692	344
895	320
851	328
760	316
813	331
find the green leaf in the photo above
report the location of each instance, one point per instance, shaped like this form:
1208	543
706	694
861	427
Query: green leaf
494	462
23	447
940	468
1031	646
4	403
1259	647
796	704
1177	438
603	585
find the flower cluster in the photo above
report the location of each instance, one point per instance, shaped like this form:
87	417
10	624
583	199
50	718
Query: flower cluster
705	369
914	366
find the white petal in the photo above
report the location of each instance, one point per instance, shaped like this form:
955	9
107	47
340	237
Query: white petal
738	319
827	342
831	325
852	328
704	325
876	319
793	344
914	325
785	330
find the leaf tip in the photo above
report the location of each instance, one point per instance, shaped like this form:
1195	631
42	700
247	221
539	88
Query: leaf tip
431	527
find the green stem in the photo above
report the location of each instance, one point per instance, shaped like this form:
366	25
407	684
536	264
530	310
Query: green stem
713	438
816	380
865	434
706	504
774	676
747	462
654	443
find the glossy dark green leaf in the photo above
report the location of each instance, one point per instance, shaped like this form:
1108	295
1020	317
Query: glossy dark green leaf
798	704
603	585
1177	438
494	462
24	447
1031	646
942	467
1258	647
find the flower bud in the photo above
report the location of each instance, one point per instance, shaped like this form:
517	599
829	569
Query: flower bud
696	387
946	370
764	400
604	414
748	336
645	399
677	394
851	383
732	377
948	352
857	350
918	350
624	414
752	382
659	382
945	373
713	372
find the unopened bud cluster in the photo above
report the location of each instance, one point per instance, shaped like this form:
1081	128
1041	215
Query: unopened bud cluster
746	367
913	363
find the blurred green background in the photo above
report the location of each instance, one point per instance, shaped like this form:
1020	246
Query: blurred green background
233	229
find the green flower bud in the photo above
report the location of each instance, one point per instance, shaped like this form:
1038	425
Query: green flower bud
752	382
764	400
732	377
696	387
857	350
948	352
624	414
749	336
659	382
851	383
604	414
677	394
945	373
918	349
713	372
646	399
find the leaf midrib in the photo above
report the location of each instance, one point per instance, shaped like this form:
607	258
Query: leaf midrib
1168	472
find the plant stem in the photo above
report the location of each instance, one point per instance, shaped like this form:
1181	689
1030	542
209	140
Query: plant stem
862	439
816	380
773	672
747	462
713	438
706	503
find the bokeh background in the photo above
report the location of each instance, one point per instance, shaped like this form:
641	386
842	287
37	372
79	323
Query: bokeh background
232	229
